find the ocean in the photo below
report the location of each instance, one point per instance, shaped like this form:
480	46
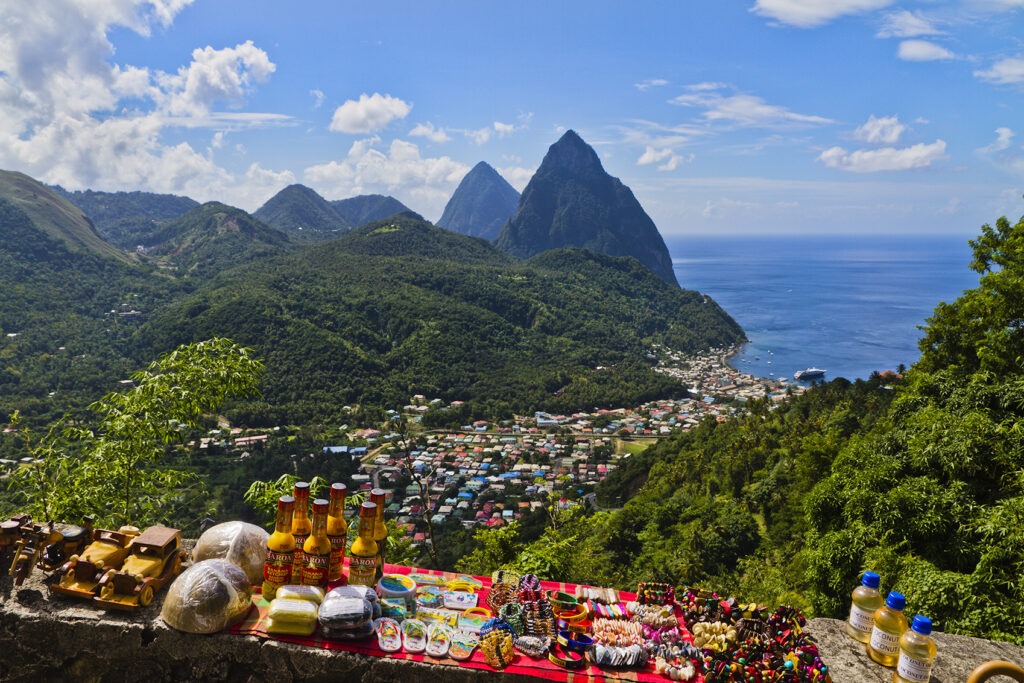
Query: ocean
849	305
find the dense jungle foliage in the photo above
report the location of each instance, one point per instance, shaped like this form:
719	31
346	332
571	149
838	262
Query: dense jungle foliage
920	478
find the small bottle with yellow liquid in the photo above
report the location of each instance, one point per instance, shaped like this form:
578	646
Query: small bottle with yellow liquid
866	600
337	531
277	567
917	653
301	527
362	556
380	528
316	551
889	625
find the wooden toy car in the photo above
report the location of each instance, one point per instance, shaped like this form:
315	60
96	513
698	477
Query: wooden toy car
155	558
80	575
72	540
10	534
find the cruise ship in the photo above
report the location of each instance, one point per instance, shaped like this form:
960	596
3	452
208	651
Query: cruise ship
809	373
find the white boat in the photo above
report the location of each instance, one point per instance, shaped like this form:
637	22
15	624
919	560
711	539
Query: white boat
809	373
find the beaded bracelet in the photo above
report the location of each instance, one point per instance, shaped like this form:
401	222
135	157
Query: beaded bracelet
652	593
529	582
500	594
512	613
533	646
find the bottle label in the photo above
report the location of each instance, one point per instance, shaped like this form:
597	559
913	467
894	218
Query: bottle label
337	557
914	670
315	568
277	568
884	643
362	571
861	619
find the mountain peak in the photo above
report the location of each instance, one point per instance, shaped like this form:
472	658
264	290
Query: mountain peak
300	212
571	201
481	204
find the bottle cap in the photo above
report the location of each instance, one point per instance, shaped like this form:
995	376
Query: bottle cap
922	625
338	489
871	579
285	503
896	601
301	490
368	510
319	506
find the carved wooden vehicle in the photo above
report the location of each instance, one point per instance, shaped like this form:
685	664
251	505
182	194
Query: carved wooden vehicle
155	558
72	541
10	534
29	548
80	575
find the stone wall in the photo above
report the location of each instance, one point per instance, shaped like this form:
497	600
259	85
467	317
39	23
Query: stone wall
51	638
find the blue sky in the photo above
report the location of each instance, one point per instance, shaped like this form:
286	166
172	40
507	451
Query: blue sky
723	116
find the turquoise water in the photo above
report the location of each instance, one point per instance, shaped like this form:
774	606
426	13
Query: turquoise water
850	305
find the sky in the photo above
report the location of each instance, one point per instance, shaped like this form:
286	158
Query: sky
723	116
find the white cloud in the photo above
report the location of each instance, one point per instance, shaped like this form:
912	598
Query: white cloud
906	24
812	13
667	155
1004	72
369	113
922	51
318	98
424	184
885	130
427	130
884	159
1004	139
504	129
650	83
215	76
742	109
480	136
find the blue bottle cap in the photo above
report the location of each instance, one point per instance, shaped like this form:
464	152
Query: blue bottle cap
896	601
922	625
871	579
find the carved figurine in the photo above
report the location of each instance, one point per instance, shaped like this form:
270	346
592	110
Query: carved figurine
154	558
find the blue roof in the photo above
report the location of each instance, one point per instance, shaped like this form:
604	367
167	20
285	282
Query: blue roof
336	450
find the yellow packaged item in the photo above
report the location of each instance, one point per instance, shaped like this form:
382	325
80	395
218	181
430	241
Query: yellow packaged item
290	628
314	594
294	611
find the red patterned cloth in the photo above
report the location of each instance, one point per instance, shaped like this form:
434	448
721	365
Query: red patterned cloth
254	624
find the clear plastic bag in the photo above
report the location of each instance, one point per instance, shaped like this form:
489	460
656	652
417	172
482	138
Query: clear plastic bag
240	543
207	597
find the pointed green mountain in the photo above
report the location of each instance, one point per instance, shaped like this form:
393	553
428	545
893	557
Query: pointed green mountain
572	202
301	213
367	208
481	204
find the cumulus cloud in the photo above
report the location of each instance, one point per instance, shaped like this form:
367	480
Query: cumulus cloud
517	176
1007	71
215	76
400	170
906	24
742	109
480	136
368	114
880	130
885	158
922	51
812	13
69	115
427	130
650	83
666	157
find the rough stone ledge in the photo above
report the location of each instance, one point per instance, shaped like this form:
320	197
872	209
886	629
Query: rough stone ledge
44	638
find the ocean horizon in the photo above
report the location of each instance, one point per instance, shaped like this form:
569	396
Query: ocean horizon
851	305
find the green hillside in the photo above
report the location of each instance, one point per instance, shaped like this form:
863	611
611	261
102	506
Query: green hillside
401	307
127	219
55	216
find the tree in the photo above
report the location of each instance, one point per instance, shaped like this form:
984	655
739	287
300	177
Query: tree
117	471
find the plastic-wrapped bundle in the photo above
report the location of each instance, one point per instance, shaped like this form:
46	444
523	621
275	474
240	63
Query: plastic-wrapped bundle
240	543
348	612
207	597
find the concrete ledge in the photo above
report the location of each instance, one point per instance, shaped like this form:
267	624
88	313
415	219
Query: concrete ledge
51	638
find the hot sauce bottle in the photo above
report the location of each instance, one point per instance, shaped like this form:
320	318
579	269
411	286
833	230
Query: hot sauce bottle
337	531
380	529
301	527
316	550
277	567
362	562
